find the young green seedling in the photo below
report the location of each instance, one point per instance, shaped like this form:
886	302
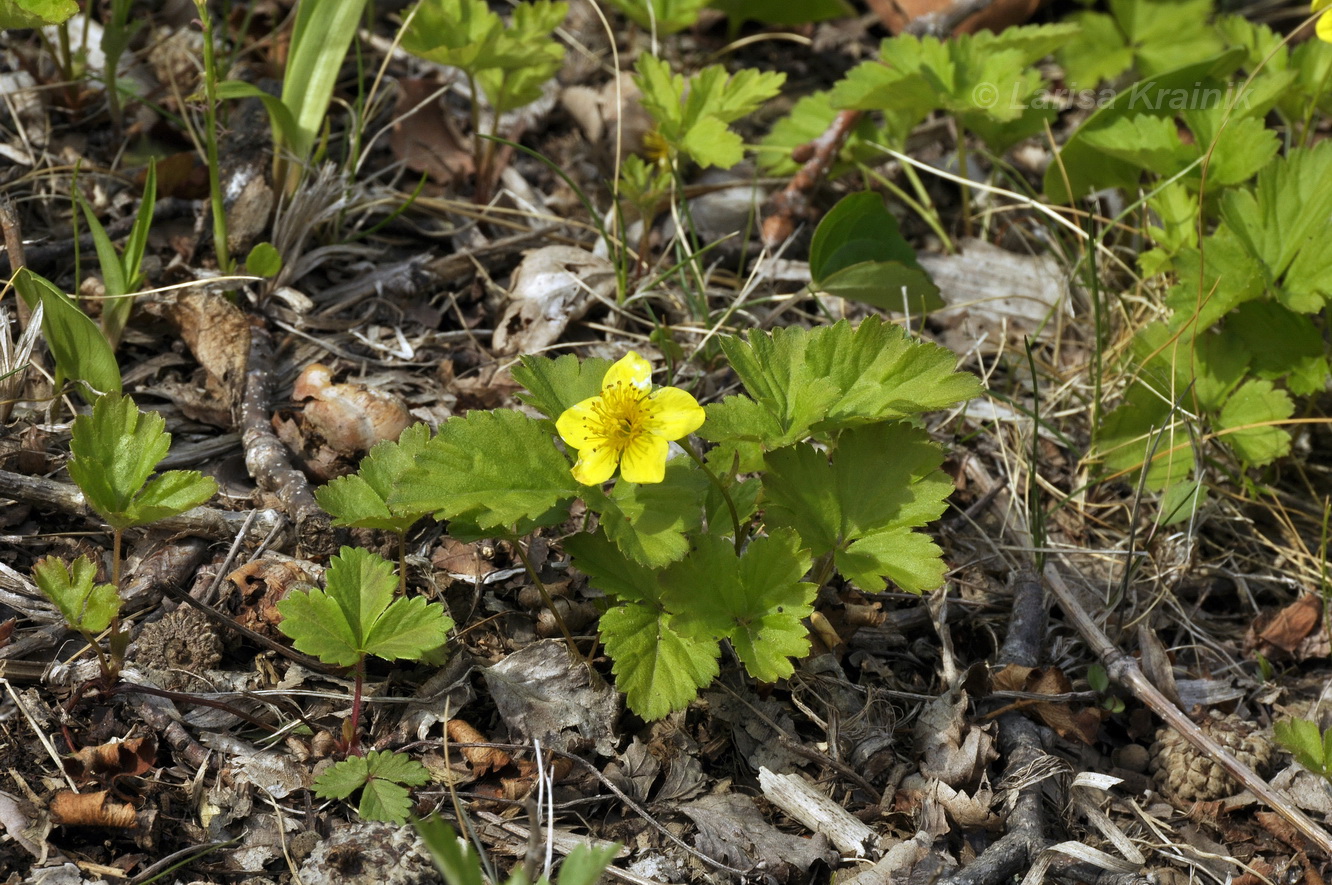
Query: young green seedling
357	616
509	63
114	452
81	352
382	777
360	500
87	607
122	273
1311	748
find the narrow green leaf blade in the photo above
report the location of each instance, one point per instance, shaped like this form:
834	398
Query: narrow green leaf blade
81	351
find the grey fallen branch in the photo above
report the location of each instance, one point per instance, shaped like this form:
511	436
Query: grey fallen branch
205	522
266	457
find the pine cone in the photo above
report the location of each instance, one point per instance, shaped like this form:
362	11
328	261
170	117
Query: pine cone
1185	774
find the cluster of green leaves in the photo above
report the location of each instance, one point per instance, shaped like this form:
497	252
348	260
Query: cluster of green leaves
460	864
823	444
510	62
382	777
1237	224
122	272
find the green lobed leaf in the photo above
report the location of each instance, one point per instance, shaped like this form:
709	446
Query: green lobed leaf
1284	345
649	522
756	600
880	478
170	494
658	668
115	450
908	558
1082	168
357	615
831	377
381	776
492	469
661	16
1289	212
810	117
554	385
1098	53
81	351
1256	402
361	499
1144	429
87	607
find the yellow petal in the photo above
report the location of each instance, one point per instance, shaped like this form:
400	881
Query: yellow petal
580	425
632	370
645	459
595	465
1319	5
1325	27
675	413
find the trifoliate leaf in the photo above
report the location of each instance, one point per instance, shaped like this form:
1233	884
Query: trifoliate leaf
880	477
1213	281
115	450
908	558
357	615
649	521
756	600
87	607
1239	148
361	499
380	774
692	114
553	385
1245	422
1289	213
658	668
833	377
493	469
1147	141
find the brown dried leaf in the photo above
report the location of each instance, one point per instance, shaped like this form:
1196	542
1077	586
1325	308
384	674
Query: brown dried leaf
1083	724
426	139
263	584
1290	627
553	286
953	750
105	762
72	809
482	759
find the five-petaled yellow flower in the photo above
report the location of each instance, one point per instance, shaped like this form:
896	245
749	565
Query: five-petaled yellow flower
628	424
1324	26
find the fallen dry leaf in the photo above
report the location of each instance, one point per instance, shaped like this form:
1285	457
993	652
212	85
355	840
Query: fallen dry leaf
1084	725
482	759
1288	630
554	286
72	809
349	417
106	762
953	750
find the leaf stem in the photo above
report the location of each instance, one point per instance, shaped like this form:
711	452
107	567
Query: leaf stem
354	739
740	536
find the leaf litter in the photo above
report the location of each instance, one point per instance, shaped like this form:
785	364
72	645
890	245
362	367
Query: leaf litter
438	336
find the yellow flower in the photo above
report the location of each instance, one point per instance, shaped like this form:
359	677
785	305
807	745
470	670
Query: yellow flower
628	424
1325	20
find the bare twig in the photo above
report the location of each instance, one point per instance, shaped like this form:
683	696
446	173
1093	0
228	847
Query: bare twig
266	457
206	522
